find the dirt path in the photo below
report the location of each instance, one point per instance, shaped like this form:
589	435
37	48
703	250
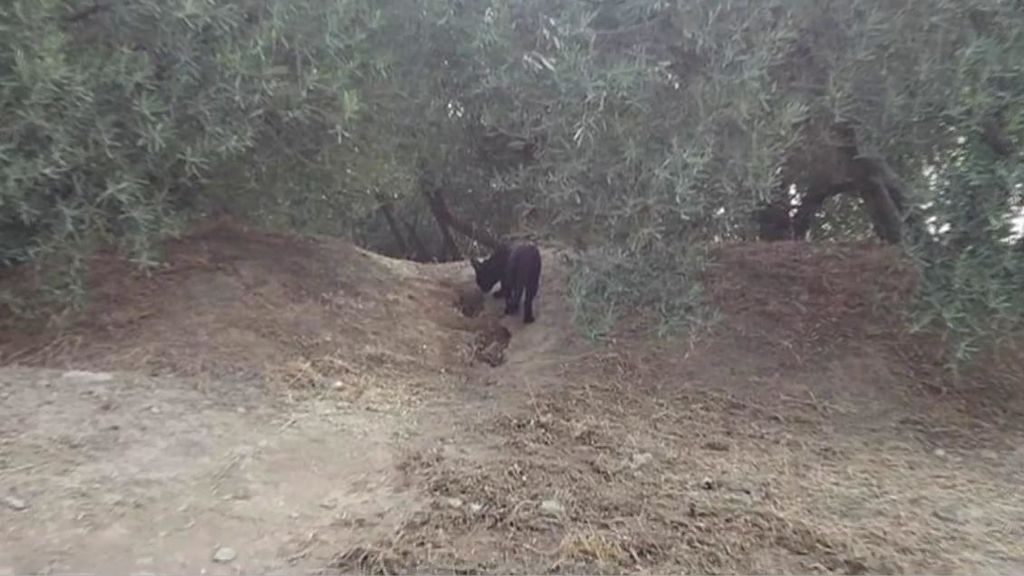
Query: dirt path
391	433
125	474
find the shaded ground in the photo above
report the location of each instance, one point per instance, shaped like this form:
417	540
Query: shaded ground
311	405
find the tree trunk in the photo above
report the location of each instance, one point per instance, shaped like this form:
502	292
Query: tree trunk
995	138
883	192
440	211
418	248
440	206
882	212
85	13
885	196
389	215
470	231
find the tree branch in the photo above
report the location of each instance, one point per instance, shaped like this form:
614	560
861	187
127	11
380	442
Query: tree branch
85	13
439	207
389	215
440	211
993	136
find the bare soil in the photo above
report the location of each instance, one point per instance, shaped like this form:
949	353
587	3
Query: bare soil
315	407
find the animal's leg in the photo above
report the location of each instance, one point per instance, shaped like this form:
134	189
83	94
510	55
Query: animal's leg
512	297
531	292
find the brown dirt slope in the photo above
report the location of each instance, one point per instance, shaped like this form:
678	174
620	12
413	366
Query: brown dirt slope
804	433
231	302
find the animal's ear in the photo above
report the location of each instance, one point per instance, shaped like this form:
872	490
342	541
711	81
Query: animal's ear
476	263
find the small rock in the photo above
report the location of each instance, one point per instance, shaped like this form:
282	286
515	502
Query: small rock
939	453
953	514
15	503
989	454
338	385
89	377
329	504
224	555
453	502
239	495
716	446
640	460
551	508
476	508
708	484
854	567
736	498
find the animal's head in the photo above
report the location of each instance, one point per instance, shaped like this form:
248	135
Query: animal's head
486	274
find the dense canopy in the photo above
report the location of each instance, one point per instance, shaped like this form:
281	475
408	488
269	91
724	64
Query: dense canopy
640	131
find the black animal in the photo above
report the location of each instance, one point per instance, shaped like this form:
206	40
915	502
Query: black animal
517	267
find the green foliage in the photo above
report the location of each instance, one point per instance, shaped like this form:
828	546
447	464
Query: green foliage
666	123
636	129
117	123
973	260
659	291
975	296
640	150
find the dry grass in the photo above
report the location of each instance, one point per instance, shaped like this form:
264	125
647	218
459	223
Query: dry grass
693	481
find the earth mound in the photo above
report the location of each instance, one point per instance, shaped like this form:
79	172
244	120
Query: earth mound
232	302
